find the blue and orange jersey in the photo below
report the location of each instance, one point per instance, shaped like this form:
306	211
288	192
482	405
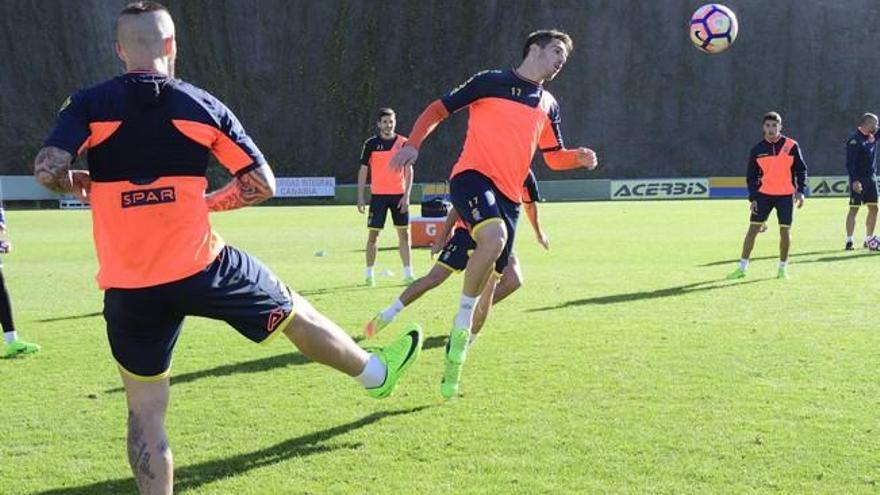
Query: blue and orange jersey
861	156
376	154
776	169
510	118
148	138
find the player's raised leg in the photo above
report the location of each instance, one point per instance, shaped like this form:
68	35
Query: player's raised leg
317	337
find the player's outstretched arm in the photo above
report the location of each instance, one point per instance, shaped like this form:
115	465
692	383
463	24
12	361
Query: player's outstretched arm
248	189
424	126
565	159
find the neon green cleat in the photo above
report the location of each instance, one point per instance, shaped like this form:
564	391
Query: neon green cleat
376	325
738	273
398	357
19	348
456	353
782	274
408	280
370	281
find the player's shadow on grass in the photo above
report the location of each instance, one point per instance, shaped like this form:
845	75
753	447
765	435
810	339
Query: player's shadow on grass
841	257
680	290
197	475
265	364
73	317
346	288
794	255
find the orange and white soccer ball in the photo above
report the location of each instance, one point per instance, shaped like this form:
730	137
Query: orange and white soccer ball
713	28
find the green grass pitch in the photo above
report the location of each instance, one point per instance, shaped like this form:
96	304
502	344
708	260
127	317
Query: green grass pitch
626	364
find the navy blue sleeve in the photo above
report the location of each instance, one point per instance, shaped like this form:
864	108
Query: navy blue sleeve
753	176
473	89
852	158
531	194
552	142
232	128
369	146
72	125
799	169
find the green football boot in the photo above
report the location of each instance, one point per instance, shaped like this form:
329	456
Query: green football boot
782	274
456	353
398	357
19	348
370	281
738	273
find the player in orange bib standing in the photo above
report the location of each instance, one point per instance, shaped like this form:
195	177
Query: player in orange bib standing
777	178
511	115
389	191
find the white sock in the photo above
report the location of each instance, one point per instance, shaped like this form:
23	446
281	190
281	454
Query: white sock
472	339
392	311
849	238
783	264
465	316
10	337
407	272
373	374
743	264
368	272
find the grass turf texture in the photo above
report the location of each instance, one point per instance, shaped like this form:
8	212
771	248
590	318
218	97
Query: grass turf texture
626	364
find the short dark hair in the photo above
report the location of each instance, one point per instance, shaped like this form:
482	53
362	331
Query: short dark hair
545	36
135	8
772	116
385	112
868	116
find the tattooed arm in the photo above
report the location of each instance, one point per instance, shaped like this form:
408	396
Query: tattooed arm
249	189
52	169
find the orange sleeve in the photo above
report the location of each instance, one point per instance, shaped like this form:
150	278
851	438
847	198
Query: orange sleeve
426	123
561	159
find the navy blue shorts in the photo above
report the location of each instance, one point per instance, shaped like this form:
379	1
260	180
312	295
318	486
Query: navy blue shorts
478	200
784	206
868	195
457	250
380	205
143	324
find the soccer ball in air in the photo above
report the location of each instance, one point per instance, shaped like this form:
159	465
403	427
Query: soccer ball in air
713	28
873	243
